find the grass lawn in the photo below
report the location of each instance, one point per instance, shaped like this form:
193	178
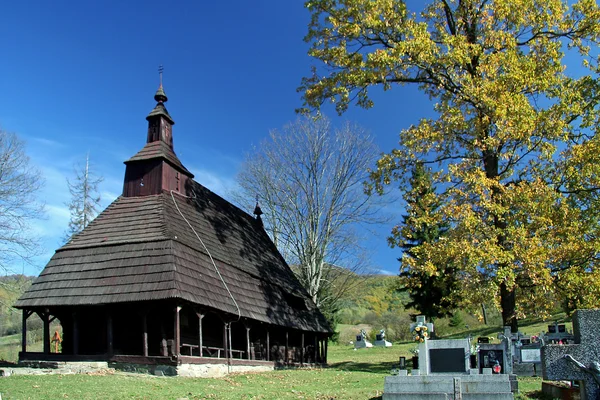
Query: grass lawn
351	375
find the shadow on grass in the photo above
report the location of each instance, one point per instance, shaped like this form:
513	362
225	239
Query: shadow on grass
376	368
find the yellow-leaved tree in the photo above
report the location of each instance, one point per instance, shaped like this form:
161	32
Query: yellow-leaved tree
513	141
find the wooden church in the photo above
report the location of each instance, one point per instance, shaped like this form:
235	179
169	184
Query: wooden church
171	273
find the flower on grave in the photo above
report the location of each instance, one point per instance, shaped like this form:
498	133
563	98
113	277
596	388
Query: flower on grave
420	333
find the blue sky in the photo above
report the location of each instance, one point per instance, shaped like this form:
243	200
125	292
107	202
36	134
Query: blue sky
79	77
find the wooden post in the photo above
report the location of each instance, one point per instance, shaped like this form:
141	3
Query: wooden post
248	342
302	350
230	342
200	316
268	347
225	338
145	335
109	334
325	352
316	349
26	315
75	335
177	332
46	321
287	358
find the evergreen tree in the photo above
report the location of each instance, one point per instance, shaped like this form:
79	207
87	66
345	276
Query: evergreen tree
85	199
431	293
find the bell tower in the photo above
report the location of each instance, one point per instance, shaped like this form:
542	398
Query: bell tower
156	168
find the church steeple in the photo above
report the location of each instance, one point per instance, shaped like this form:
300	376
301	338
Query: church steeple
156	167
160	122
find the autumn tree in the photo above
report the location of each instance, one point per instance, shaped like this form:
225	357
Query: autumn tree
308	179
513	130
20	182
433	295
85	198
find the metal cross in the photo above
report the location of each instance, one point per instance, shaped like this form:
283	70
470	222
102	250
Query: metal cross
160	72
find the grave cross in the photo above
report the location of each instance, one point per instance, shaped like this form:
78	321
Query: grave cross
577	362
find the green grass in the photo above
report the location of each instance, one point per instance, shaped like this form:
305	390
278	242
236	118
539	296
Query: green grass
352	374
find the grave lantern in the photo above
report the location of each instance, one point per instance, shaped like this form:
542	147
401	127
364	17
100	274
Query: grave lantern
402	362
497	368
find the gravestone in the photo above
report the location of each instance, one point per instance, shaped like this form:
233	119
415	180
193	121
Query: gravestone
380	339
361	341
445	356
579	361
492	355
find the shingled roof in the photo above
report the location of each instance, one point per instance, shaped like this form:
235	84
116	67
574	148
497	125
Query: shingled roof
141	248
168	237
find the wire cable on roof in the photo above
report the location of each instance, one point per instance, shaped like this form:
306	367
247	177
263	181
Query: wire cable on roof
207	252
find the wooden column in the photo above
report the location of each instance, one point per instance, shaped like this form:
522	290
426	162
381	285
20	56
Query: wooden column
302	350
225	339
230	342
75	335
177	332
200	344
287	358
325	353
109	334
268	347
26	315
248	341
316	349
145	334
46	319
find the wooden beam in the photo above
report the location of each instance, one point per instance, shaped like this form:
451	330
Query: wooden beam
316	349
200	344
286	358
268	347
230	342
325	355
46	319
26	314
302	350
177	332
109	334
224	338
247	342
145	337
75	335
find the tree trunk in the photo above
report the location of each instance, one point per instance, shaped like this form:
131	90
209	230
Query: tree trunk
507	296
507	302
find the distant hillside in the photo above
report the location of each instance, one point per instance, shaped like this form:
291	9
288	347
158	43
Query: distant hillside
11	288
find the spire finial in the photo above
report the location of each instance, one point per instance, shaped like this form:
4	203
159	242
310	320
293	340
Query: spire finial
258	212
160	95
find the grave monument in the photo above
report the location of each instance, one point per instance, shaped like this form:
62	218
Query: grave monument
578	361
361	341
381	340
444	372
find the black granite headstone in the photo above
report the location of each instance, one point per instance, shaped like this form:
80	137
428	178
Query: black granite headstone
379	337
489	358
359	338
447	360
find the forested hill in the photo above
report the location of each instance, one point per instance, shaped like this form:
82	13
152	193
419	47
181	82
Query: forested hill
11	287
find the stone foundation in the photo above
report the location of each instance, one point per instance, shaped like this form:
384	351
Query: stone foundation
207	370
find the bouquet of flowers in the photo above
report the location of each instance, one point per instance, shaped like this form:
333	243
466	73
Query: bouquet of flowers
420	333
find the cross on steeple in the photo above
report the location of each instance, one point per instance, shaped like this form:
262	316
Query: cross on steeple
160	72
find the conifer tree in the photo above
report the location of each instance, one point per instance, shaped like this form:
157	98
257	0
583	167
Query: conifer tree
85	199
432	294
